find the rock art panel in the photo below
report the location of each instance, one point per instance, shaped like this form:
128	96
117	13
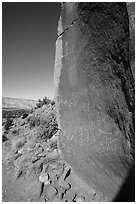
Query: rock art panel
94	93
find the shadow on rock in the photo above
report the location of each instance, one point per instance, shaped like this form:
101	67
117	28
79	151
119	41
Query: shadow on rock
127	191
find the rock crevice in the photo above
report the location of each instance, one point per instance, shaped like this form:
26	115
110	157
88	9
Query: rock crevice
67	28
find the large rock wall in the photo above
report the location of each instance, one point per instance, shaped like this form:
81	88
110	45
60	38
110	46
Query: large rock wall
131	14
94	92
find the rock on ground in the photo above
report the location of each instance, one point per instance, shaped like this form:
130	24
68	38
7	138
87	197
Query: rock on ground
46	179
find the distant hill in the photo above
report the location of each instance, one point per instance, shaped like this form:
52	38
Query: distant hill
17	103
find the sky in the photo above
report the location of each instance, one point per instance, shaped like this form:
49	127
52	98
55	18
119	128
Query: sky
29	33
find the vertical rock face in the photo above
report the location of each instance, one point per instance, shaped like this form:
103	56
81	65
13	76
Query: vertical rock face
131	14
94	92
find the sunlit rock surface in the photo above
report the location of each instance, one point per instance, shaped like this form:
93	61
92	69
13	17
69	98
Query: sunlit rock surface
131	14
94	91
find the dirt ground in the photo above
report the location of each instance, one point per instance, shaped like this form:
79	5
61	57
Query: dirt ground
39	174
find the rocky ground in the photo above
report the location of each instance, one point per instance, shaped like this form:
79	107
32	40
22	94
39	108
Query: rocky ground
34	170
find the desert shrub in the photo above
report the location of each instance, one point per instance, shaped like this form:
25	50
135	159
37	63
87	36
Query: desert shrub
44	101
15	132
4	138
8	124
33	121
18	143
48	127
39	104
52	103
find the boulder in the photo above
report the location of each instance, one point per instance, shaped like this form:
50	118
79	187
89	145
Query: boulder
94	93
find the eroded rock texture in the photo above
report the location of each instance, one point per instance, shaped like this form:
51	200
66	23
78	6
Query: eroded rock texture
94	90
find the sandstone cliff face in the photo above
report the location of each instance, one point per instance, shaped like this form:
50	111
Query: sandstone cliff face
131	14
94	90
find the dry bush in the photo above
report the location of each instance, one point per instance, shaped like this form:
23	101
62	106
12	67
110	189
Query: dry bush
33	121
18	143
15	132
4	138
48	126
